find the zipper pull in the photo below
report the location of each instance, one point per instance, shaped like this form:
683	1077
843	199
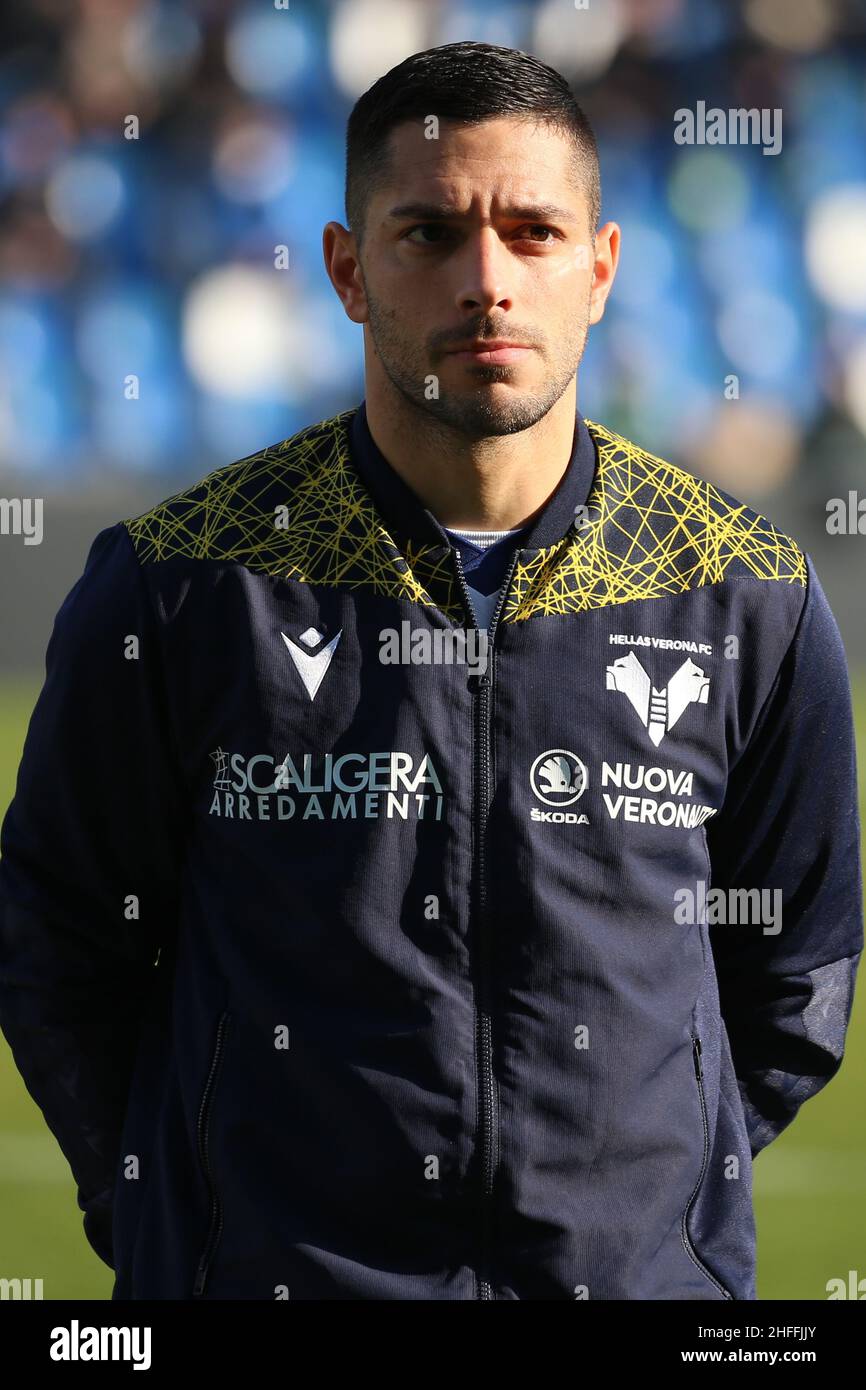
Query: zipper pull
463	586
696	1052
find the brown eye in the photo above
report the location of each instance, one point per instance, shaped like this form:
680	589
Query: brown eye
424	227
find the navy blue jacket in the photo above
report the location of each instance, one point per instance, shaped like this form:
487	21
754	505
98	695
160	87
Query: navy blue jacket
347	963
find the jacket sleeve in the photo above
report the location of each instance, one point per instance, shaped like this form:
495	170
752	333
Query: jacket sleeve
790	825
91	852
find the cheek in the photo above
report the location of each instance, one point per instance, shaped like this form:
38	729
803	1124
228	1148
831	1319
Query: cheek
407	288
572	273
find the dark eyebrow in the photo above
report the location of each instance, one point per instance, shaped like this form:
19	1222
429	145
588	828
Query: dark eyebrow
438	212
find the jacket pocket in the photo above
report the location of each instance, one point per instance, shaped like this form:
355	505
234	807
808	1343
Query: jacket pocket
687	1240
203	1144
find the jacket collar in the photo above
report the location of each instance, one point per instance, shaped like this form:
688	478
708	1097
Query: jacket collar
411	524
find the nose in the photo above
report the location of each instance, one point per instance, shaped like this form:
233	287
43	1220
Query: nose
483	273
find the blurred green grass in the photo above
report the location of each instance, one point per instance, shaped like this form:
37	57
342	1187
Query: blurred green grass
41	1235
810	1184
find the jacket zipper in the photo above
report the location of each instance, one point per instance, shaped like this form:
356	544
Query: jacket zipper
203	1136
690	1249
486	1080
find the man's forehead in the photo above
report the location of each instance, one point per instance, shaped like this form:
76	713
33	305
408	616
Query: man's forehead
442	176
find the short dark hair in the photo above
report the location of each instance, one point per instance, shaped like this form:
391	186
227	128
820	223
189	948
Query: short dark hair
466	83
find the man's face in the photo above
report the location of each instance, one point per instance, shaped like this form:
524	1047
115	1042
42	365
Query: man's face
481	233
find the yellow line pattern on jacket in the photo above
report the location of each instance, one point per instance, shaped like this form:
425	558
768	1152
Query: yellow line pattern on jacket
334	534
654	530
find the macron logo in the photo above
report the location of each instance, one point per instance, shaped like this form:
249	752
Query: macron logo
311	668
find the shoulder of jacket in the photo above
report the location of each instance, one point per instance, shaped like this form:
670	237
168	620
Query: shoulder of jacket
231	512
685	520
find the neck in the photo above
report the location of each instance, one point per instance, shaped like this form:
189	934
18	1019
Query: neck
491	484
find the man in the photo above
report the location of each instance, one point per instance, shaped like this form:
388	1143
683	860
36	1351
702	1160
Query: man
346	961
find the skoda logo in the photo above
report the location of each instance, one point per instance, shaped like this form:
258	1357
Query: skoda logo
558	777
